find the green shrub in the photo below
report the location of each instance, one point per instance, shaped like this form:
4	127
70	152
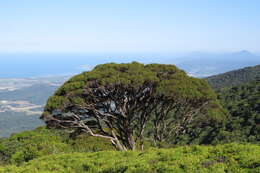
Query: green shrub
28	145
28	153
230	158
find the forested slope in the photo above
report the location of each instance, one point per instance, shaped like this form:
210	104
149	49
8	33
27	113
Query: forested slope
234	78
243	104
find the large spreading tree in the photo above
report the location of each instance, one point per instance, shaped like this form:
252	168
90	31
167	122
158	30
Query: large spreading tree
127	103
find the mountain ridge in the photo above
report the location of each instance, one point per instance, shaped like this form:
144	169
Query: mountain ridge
234	77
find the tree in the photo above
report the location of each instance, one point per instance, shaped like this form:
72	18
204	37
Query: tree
182	102
118	101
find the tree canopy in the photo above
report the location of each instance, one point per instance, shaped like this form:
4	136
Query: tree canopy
128	102
243	103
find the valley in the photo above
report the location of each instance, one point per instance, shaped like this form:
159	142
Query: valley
22	101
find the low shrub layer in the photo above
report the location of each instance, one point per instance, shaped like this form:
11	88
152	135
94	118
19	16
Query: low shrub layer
230	158
28	145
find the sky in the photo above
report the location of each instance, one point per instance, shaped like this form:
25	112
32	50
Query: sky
91	26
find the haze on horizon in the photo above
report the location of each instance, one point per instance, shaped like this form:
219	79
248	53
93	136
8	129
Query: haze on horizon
129	26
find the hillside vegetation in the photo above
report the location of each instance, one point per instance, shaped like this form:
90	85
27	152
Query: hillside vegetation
234	78
230	158
243	104
28	145
48	150
239	93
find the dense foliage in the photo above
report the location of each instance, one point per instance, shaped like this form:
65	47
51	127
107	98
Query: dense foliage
126	103
243	103
230	158
234	78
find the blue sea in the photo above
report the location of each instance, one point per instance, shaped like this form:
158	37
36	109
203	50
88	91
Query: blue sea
22	65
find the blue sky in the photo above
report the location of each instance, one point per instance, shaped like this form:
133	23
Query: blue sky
87	26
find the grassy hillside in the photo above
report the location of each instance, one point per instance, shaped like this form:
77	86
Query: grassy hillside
231	158
234	78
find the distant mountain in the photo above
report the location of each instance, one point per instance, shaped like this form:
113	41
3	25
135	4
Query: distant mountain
200	64
22	101
235	77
